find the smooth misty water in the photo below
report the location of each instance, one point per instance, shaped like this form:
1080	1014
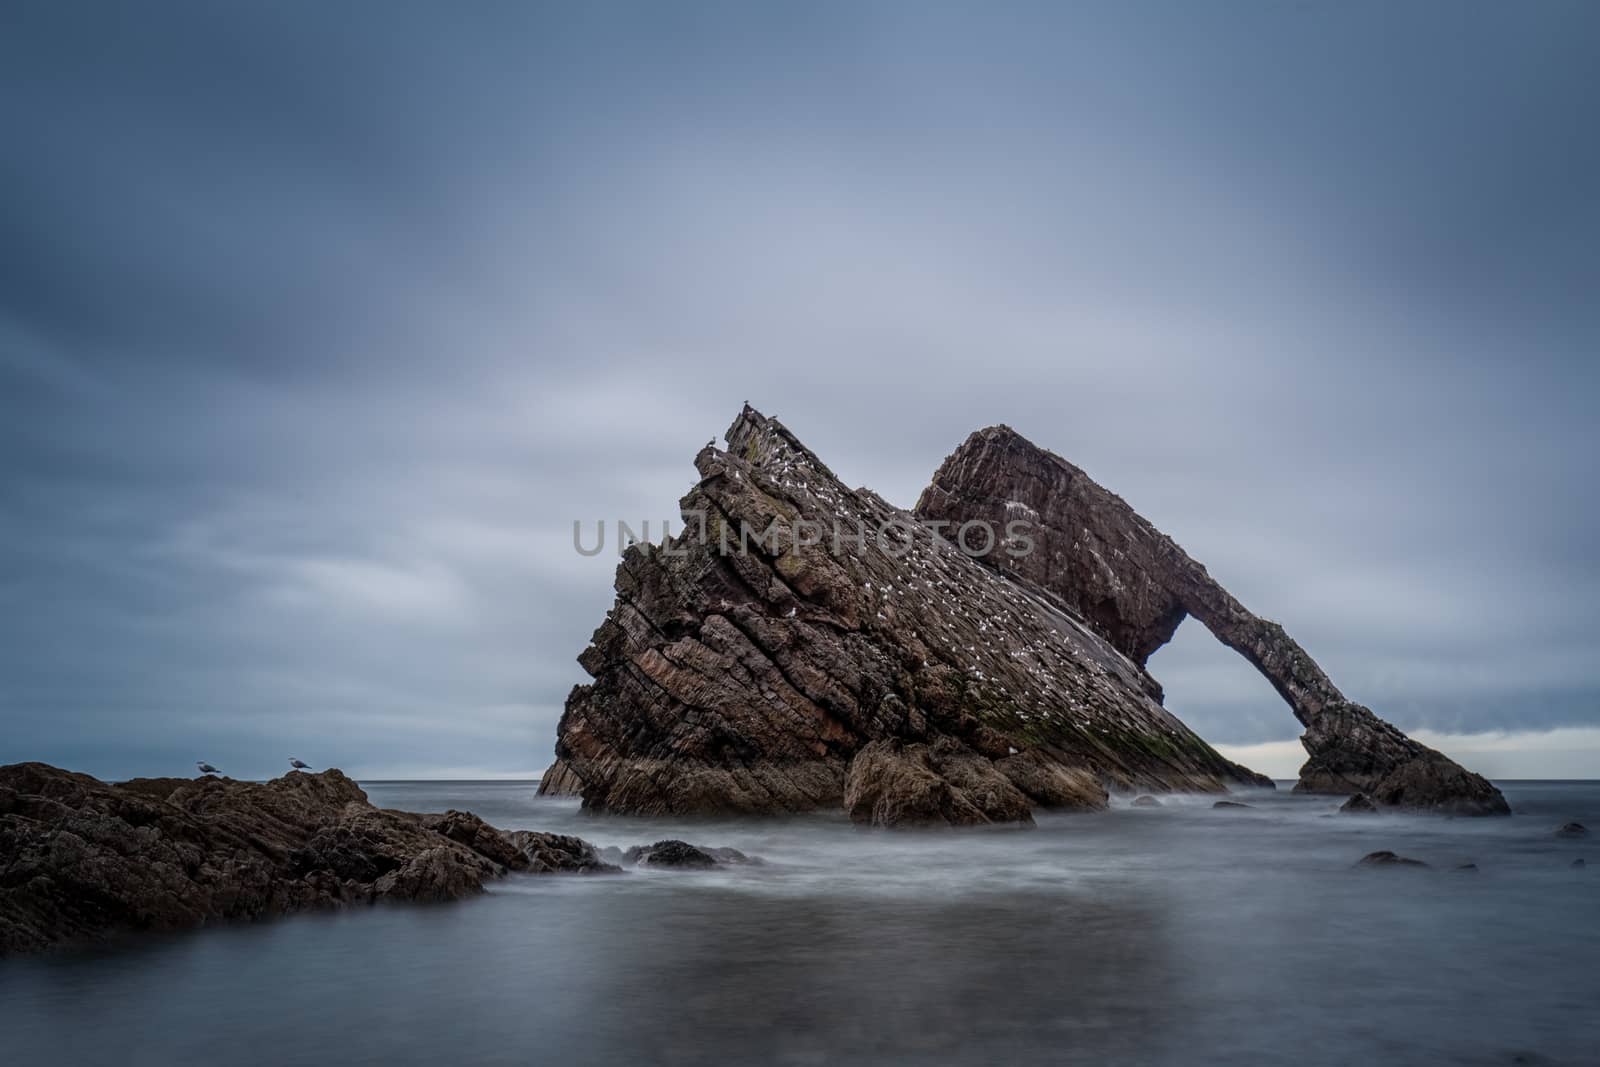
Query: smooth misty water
1179	935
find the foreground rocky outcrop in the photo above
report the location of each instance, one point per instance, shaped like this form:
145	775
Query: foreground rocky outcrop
82	859
805	645
1134	585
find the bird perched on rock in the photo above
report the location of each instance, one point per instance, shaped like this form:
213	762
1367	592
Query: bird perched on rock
205	768
711	443
297	765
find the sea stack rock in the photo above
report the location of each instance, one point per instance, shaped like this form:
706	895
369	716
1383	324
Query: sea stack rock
800	636
1133	585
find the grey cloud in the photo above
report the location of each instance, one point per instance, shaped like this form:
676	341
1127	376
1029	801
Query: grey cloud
318	327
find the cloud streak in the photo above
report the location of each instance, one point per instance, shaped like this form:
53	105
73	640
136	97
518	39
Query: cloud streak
319	328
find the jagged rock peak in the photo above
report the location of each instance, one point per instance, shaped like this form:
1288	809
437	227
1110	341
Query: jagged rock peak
748	673
1134	585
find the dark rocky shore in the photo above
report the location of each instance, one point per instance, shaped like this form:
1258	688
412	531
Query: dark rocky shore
81	859
761	663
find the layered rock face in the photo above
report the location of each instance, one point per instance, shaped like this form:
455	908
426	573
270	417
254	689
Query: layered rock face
1134	585
802	644
81	859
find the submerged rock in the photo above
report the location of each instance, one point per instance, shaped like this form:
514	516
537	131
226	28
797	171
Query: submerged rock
1579	862
1146	802
806	645
544	853
1133	585
1231	804
671	853
1573	829
1385	858
675	853
1467	868
732	855
81	859
1360	804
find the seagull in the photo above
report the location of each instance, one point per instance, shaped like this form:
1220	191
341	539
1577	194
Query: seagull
297	765
205	768
711	443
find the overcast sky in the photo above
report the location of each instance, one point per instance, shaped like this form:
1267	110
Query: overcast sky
321	323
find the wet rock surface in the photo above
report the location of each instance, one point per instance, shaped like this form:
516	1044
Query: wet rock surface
1573	829
1134	585
681	854
1385	858
542	853
669	854
82	859
747	668
892	783
1360	804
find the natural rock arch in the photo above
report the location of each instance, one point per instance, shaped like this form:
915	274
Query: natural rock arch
917	684
1135	585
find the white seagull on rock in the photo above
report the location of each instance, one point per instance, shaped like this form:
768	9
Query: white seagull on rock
205	768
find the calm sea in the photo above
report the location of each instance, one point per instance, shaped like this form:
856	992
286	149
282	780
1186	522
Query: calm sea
1179	935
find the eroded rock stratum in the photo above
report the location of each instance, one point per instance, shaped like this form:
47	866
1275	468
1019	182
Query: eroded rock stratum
749	679
913	683
1134	585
